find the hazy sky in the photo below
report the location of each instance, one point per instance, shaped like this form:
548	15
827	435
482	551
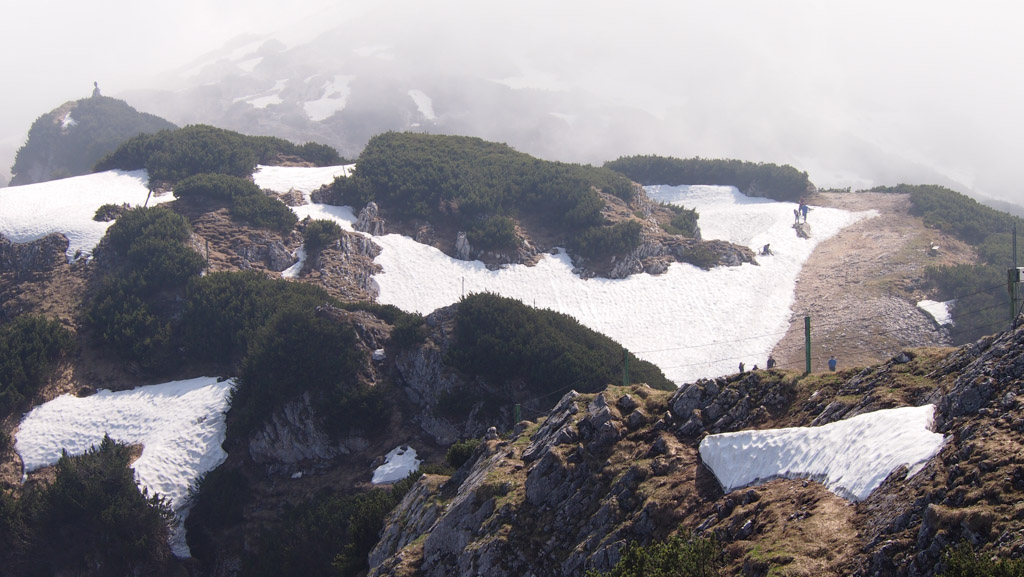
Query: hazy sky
936	83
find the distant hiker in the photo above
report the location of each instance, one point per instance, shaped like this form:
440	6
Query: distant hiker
771	362
741	368
766	250
803	211
832	363
754	369
796	216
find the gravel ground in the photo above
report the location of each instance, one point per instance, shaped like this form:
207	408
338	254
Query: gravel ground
861	287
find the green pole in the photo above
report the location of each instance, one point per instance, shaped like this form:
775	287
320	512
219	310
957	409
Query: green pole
625	368
518	415
807	345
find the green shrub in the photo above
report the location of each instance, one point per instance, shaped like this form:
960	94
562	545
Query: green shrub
125	323
463	179
127	313
605	242
215	186
504	340
93	520
962	561
700	255
139	223
679	555
264	212
225	310
218	501
331	534
755	179
409	330
320	234
294	352
109	212
460	452
683	222
30	348
173	155
495	233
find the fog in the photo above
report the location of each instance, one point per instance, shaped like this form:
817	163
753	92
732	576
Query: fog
856	93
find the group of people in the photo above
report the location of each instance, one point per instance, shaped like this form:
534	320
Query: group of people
801	211
771	364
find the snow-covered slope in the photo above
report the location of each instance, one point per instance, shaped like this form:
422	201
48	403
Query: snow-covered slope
851	457
67	206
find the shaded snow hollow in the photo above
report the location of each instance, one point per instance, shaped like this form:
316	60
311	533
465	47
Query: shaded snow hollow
850	457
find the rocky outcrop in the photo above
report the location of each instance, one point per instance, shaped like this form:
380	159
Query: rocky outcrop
567	494
369	220
290	441
346	268
29	258
549	507
272	254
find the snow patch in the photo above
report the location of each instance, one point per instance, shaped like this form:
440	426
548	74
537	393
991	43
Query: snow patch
938	310
179	424
68	122
850	457
301	178
398	464
423	103
67	206
266	98
334	99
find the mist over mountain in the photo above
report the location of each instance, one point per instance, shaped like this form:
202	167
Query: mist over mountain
675	84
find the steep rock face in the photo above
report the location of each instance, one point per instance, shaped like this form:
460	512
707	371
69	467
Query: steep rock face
41	255
291	440
560	503
428	381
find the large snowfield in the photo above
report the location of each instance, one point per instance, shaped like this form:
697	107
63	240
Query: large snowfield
691	323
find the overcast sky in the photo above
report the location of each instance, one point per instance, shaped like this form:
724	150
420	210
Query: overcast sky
935	82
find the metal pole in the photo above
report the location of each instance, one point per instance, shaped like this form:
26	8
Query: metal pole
807	345
518	416
625	368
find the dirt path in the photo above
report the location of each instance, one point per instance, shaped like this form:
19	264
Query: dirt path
860	287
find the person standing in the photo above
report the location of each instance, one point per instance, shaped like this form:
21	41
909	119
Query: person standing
803	210
771	362
741	368
832	363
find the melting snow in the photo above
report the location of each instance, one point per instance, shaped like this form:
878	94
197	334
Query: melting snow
179	424
423	103
397	465
334	99
851	457
938	310
67	206
265	98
